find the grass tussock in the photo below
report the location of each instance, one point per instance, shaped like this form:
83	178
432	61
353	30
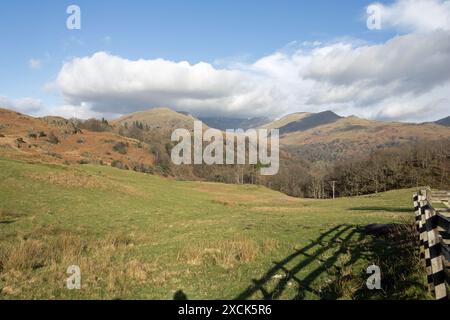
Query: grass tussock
225	253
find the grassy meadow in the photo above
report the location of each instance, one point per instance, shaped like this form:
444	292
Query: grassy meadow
138	236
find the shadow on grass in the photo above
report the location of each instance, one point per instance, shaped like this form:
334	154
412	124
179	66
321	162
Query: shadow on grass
337	252
180	295
7	221
9	217
403	210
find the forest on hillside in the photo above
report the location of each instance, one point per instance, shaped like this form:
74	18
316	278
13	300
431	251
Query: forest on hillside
419	163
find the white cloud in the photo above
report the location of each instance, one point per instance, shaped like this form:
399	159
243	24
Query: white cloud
406	66
82	111
35	64
24	105
407	77
407	72
416	15
109	82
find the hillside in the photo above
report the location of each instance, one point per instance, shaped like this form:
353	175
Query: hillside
312	136
57	140
223	123
444	121
293	117
311	121
348	137
158	118
138	236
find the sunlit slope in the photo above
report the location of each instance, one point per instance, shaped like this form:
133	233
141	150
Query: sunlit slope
158	118
353	137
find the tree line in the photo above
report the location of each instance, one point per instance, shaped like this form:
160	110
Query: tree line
414	164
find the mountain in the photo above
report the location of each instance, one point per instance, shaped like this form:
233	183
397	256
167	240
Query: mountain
276	124
333	138
444	122
330	137
223	123
304	121
158	118
323	136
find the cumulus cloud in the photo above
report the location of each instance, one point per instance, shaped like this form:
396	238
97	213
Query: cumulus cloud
404	78
406	67
81	111
110	82
415	15
350	78
23	105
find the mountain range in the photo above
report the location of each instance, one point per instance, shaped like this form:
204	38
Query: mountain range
323	136
314	136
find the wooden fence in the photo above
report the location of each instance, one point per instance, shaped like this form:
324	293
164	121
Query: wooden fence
433	226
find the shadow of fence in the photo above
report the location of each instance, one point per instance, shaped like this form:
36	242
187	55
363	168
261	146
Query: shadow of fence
304	266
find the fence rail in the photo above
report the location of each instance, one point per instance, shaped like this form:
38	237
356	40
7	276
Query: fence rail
433	226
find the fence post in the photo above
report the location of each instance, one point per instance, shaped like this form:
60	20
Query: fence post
430	243
419	225
423	203
437	267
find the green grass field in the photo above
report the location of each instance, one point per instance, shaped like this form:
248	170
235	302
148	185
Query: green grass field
145	237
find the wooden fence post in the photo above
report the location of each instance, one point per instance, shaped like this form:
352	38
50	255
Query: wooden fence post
430	243
434	246
419	225
424	239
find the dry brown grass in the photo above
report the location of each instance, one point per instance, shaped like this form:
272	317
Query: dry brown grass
69	150
75	178
105	265
225	253
270	245
67	179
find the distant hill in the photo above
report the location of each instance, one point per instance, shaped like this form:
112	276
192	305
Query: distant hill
302	121
329	137
223	123
276	124
444	122
310	121
323	136
158	118
347	137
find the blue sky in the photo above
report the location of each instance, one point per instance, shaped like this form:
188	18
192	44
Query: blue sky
220	33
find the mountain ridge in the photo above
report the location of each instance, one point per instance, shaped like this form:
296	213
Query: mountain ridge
323	136
158	118
444	121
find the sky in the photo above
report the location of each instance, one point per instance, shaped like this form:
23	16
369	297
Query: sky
227	57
